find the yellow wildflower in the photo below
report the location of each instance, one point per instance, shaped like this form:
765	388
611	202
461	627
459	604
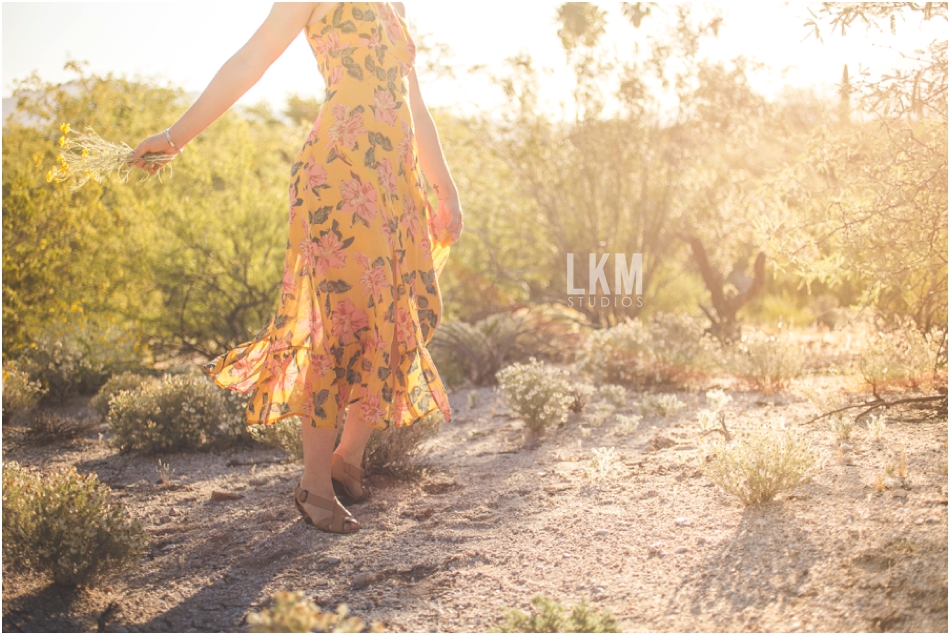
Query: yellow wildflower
62	141
85	153
49	176
65	128
63	169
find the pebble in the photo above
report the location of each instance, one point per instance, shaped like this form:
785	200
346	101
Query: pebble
761	522
682	521
218	495
174	512
899	493
361	580
601	532
319	581
681	550
257	482
332	560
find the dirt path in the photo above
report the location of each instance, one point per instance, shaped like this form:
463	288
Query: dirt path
493	522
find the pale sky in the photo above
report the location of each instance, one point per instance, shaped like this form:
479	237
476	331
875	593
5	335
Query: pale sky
186	43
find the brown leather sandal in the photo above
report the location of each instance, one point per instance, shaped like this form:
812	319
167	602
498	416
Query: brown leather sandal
347	479
333	525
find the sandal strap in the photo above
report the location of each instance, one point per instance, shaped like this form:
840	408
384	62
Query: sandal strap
312	499
352	470
335	523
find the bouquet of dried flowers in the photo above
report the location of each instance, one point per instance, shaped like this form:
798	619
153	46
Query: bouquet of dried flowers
86	156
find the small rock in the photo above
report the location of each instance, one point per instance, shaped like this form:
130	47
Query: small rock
174	512
649	494
268	516
257	482
894	482
682	521
899	493
681	550
361	580
845	446
332	560
700	541
601	532
761	522
218	495
320	581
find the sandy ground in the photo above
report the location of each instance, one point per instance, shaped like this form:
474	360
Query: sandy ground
494	520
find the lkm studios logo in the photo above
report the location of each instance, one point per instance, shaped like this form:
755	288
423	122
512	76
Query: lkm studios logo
627	288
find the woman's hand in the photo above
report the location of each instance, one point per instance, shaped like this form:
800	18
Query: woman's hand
156	144
449	215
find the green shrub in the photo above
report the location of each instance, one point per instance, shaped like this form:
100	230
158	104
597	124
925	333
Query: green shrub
613	394
662	405
46	426
767	362
581	395
902	357
78	356
290	612
286	434
538	393
399	450
116	384
20	394
760	463
180	412
66	524
669	348
550	618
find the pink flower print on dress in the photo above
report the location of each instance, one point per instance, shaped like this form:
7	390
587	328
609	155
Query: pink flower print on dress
307	406
404	147
347	320
387	180
308	253
325	45
345	130
360	198
336	74
405	332
317	175
391	21
385	107
288	284
374	281
373	343
288	378
330	253
410	220
322	364
316	128
370	408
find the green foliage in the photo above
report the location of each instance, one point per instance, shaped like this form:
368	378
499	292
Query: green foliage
400	450
666	349
767	362
116	384
760	463
20	393
613	394
179	413
77	356
661	405
285	434
903	356
581	395
48	426
290	612
549	617
66	524
538	393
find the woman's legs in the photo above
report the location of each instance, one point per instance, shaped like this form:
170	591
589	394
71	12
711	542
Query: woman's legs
355	435
317	448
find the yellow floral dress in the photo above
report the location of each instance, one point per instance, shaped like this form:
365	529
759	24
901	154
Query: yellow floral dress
360	297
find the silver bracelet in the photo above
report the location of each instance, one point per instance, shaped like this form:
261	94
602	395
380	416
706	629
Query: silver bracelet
172	143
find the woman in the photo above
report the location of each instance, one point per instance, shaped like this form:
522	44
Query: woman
360	297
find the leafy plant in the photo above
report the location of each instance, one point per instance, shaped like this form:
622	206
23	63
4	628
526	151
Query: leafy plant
20	393
116	384
550	616
663	405
289	612
538	393
581	395
66	524
400	450
613	394
760	463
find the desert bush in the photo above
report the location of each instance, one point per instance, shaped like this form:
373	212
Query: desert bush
604	465
477	351
20	393
669	348
536	392
617	355
767	362
290	612
581	395
760	463
78	356
66	525
601	414
549	617
628	423
903	357
613	394
663	405
116	384
877	426
286	434
180	412
399	450
841	426
45	426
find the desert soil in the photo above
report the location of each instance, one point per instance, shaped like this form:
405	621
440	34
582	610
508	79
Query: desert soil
496	518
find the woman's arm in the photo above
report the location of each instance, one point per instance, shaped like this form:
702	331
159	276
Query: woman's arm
243	70
431	158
